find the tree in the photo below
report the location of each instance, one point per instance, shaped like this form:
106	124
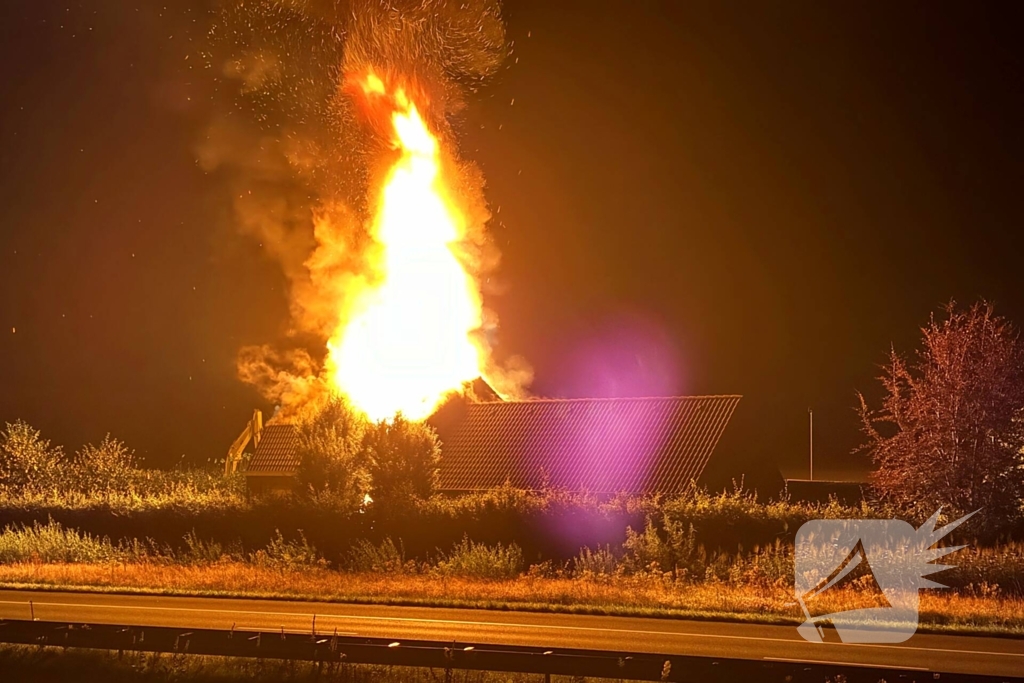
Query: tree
105	467
331	454
949	432
403	457
27	461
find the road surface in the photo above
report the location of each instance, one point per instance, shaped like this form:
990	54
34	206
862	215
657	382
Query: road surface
953	654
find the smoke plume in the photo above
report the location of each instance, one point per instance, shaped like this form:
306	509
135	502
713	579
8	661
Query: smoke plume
301	159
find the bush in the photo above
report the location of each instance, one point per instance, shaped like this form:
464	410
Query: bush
27	460
770	565
503	501
600	562
34	473
646	551
671	548
108	466
331	454
52	543
385	558
479	561
199	552
403	460
295	554
975	568
345	458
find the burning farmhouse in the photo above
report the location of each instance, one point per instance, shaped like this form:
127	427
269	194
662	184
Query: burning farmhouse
396	292
599	446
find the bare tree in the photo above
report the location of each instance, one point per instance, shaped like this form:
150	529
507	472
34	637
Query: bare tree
949	432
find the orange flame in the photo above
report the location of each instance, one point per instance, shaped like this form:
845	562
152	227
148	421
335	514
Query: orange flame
406	343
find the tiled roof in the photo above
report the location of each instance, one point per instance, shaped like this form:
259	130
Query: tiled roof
276	452
633	445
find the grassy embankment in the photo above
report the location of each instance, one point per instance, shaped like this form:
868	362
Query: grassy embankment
754	587
941	611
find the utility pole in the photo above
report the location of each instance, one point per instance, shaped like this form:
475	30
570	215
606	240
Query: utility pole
810	419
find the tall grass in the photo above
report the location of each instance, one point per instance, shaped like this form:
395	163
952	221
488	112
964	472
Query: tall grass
592	563
976	571
387	557
52	543
755	584
684	536
282	553
480	561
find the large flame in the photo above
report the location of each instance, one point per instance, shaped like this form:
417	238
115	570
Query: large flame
406	343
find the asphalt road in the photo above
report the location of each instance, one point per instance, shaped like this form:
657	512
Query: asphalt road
953	654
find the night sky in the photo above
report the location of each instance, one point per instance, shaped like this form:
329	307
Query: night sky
752	198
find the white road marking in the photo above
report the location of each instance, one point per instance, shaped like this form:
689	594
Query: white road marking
513	624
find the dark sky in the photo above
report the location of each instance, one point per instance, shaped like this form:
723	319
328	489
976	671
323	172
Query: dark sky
753	198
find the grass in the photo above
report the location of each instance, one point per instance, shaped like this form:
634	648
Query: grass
941	611
755	586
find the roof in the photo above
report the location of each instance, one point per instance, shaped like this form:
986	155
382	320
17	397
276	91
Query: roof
276	453
632	445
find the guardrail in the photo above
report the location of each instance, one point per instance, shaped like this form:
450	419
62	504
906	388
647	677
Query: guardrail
313	646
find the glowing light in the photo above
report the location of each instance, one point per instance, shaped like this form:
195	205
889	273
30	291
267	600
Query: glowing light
406	343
